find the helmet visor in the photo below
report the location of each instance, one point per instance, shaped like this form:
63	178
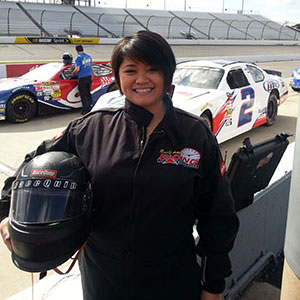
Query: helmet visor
46	205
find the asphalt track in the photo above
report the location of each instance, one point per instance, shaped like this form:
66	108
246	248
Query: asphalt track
19	139
34	52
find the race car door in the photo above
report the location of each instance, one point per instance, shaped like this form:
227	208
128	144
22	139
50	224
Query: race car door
257	79
243	102
70	96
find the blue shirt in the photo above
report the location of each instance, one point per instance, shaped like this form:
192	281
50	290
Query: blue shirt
84	61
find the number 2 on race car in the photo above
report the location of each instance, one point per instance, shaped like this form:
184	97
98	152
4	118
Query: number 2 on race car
247	98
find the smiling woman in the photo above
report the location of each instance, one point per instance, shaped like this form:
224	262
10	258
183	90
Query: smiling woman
144	86
155	172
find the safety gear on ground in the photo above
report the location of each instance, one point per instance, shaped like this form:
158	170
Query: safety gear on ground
50	212
67	58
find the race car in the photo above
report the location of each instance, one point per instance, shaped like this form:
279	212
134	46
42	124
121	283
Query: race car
295	80
232	97
48	89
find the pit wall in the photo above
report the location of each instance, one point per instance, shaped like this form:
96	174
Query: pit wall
15	70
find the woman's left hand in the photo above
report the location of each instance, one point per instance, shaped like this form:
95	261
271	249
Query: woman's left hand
209	296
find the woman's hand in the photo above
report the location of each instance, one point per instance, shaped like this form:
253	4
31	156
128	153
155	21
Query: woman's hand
5	234
209	296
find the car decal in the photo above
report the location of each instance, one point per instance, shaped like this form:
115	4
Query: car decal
223	117
269	85
246	111
261	119
283	98
218	121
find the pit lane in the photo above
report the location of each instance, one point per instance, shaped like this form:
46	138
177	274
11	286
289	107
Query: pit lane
19	139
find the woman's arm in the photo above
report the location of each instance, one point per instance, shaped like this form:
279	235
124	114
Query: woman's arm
5	234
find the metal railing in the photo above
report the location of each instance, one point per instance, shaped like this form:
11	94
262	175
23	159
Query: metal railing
50	21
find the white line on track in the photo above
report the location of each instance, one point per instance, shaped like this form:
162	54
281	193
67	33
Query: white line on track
7	170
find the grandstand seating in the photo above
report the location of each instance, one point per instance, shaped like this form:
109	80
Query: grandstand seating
36	19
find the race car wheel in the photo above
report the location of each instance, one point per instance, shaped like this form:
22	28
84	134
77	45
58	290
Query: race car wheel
207	118
295	89
272	109
21	107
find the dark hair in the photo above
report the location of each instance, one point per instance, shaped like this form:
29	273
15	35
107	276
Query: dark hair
79	48
147	47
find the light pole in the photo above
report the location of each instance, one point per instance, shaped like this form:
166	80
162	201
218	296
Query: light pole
242	7
223	6
184	5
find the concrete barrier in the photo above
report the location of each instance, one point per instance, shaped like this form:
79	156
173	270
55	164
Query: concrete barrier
113	41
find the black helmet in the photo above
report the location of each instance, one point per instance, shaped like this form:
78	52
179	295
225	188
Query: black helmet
50	212
67	58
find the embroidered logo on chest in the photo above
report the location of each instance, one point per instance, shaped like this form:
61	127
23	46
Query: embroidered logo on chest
187	157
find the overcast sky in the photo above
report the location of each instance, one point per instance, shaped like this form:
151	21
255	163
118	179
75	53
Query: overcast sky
276	10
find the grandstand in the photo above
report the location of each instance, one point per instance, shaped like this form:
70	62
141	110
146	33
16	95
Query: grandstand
68	20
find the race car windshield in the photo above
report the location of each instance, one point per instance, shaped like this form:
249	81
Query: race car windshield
198	77
44	72
40	206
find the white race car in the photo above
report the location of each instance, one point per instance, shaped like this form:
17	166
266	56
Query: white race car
232	97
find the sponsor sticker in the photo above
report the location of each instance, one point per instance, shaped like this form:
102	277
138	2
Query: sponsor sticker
187	157
43	173
265	160
270	85
47	183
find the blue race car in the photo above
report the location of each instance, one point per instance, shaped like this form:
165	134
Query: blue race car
295	80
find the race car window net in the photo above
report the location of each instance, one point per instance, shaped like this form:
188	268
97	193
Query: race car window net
237	79
66	74
41	205
198	77
44	72
99	70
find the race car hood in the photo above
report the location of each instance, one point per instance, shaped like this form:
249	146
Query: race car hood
188	98
12	83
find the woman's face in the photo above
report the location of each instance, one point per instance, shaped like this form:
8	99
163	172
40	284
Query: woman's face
142	84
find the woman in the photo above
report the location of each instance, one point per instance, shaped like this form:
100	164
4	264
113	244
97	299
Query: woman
155	171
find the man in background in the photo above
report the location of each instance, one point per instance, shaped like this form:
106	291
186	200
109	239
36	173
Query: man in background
83	68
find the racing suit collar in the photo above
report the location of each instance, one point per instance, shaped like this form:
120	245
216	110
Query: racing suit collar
170	125
139	114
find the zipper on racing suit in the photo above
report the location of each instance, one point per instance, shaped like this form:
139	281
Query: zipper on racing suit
130	229
142	141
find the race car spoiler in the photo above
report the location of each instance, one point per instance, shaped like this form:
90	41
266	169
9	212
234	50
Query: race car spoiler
273	72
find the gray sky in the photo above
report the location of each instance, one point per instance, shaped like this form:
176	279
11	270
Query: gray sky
282	11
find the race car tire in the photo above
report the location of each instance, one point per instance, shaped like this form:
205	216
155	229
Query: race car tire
21	107
272	109
207	119
295	89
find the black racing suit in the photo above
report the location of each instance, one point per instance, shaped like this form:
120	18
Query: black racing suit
148	194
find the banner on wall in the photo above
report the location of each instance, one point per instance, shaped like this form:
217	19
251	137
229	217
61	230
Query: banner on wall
56	40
